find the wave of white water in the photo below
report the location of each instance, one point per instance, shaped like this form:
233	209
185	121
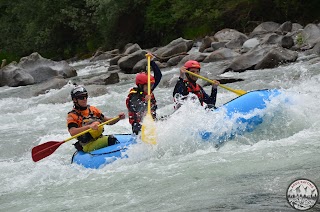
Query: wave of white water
249	173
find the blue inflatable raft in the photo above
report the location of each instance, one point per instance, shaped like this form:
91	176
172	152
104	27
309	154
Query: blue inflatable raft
98	158
242	105
241	111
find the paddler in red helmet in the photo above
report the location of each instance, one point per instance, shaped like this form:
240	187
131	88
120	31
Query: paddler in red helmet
137	99
187	84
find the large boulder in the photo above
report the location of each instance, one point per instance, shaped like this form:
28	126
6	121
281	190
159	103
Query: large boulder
285	27
174	48
127	63
229	38
249	44
220	54
310	35
206	43
265	27
132	48
194	56
237	42
275	57
12	75
175	60
35	61
262	57
226	35
105	55
34	69
280	40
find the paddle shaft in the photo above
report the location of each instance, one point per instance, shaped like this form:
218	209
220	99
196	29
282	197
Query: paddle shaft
149	85
148	127
43	150
88	130
239	92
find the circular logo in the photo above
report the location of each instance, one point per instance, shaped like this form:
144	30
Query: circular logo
302	194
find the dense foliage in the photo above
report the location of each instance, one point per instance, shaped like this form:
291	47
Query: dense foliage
61	29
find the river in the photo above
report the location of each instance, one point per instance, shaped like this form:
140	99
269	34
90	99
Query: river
249	173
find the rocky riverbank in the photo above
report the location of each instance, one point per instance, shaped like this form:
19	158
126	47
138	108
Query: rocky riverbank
269	45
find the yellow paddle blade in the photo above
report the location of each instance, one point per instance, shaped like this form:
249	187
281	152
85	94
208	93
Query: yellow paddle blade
148	130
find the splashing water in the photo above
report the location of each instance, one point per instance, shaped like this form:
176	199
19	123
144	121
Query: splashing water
250	172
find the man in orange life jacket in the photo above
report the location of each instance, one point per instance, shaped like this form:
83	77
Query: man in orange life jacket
84	117
138	97
189	85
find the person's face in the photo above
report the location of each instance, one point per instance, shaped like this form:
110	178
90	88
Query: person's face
82	100
145	87
196	71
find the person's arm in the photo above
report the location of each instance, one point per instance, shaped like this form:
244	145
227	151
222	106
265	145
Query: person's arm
180	92
104	118
210	100
180	88
157	74
75	129
121	116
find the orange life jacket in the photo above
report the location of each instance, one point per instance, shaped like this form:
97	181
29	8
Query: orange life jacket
82	117
85	117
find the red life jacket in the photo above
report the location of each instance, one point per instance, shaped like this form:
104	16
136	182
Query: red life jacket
137	116
194	89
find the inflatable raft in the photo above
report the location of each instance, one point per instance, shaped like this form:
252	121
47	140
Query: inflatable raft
98	158
246	112
237	109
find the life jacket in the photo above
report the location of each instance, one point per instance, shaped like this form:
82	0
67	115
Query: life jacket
86	117
194	89
140	108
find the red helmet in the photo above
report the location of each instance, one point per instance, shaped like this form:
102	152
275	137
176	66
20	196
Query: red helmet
142	78
192	64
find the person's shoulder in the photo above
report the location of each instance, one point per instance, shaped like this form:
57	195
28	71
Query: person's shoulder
133	91
91	107
94	109
72	115
72	112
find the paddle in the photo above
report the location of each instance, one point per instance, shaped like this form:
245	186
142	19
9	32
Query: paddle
239	92
148	129
43	150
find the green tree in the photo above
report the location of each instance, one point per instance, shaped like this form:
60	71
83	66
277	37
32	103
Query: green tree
120	21
55	28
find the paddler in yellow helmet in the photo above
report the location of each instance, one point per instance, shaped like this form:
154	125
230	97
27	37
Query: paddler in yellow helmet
83	117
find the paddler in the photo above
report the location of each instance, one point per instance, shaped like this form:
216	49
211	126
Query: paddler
188	84
137	99
83	117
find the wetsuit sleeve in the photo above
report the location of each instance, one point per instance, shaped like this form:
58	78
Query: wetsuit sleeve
157	74
71	125
210	100
180	88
